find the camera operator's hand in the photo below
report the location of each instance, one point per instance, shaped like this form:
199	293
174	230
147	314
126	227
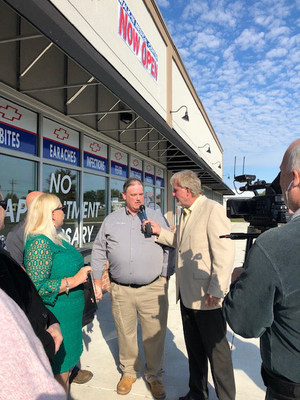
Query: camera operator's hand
236	273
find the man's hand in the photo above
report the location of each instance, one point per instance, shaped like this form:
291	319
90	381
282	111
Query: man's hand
156	229
98	289
236	273
212	301
55	332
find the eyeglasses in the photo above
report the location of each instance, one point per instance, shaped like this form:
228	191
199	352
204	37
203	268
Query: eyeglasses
63	209
3	204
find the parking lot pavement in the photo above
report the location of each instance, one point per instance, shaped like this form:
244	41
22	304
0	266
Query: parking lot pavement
101	355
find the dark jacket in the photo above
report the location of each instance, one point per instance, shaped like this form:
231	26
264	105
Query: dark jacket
17	284
265	301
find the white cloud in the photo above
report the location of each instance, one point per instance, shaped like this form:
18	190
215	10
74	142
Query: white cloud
277	53
204	40
249	38
163	3
277	31
218	12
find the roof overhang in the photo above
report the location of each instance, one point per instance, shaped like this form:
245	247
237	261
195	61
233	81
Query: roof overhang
43	15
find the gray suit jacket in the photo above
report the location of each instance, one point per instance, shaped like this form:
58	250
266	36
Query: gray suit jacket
15	242
204	261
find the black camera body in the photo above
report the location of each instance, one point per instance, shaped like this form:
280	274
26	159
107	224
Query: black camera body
261	211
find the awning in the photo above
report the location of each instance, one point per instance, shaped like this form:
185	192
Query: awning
82	78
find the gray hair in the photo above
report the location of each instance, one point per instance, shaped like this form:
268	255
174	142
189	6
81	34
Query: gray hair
187	179
293	159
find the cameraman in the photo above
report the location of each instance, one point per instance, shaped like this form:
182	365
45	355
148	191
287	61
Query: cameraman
265	300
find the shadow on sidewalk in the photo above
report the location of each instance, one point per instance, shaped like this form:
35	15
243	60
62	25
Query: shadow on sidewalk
245	356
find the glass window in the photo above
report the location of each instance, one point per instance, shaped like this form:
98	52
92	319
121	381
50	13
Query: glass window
207	192
177	212
64	183
149	197
159	199
18	177
116	189
217	197
94	205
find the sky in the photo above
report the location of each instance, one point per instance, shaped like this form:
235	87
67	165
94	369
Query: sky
243	58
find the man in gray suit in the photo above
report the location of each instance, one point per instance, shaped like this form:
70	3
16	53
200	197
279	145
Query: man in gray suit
15	238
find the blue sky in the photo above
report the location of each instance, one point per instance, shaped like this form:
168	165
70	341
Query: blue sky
244	60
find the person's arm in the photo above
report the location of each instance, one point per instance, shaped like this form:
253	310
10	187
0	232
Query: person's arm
55	332
222	255
99	260
164	236
167	269
248	307
38	260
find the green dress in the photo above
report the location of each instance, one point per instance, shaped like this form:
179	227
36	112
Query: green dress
47	264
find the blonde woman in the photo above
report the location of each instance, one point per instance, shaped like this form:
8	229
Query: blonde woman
57	270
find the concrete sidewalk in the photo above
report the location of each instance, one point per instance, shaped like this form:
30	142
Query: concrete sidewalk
101	355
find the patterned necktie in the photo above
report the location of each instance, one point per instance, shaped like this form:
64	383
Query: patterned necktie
186	214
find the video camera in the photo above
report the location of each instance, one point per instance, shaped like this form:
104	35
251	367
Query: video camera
261	211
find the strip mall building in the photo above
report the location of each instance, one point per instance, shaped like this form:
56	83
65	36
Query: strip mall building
86	93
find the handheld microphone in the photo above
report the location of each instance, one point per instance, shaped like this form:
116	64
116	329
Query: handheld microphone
148	229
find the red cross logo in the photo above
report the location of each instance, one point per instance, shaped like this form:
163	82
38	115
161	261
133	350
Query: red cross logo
10	113
61	134
95	147
118	156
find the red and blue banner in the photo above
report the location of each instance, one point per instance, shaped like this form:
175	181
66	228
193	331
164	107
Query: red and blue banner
60	143
18	127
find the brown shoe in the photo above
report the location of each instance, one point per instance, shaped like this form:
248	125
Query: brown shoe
125	384
157	389
82	376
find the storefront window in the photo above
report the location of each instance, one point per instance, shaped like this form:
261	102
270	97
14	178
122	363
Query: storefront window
17	178
207	192
116	188
159	199
149	197
63	183
177	212
218	197
94	205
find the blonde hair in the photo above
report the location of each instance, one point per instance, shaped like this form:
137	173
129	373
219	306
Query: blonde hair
187	179
39	217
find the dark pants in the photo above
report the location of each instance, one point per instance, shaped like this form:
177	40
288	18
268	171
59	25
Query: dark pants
278	387
205	339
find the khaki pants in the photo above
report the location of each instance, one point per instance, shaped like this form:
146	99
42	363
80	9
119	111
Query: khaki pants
150	304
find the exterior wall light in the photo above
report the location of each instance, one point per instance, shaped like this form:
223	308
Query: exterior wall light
207	150
186	115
